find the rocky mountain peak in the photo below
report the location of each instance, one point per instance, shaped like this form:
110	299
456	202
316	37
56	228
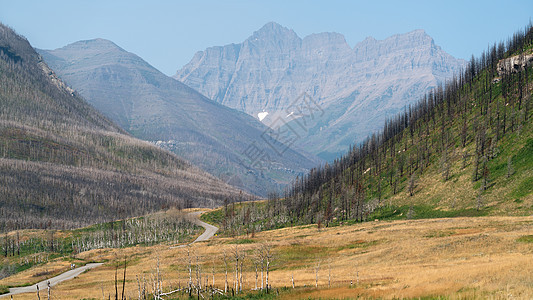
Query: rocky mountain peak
272	36
97	44
356	87
103	51
416	39
273	30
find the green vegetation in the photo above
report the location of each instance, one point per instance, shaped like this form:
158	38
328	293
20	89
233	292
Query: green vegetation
241	241
358	245
4	289
22	251
525	239
465	150
243	295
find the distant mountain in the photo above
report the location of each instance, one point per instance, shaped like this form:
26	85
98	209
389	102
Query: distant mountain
63	164
357	88
464	150
157	108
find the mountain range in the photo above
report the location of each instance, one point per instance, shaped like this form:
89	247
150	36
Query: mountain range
274	72
63	164
154	107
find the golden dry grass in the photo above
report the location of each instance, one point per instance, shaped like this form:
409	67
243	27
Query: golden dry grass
458	258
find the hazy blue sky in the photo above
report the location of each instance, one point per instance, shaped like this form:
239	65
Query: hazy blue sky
168	33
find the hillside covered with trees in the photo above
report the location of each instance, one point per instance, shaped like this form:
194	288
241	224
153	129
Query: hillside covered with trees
64	165
465	149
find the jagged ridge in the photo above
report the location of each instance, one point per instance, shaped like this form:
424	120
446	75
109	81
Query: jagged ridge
357	87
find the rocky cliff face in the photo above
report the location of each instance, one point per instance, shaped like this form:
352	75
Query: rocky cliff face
154	107
357	88
514	64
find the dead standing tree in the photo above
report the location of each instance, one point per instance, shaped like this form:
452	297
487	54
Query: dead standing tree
236	255
316	273
189	268
198	274
239	264
256	263
213	273
226	268
241	278
124	279
266	255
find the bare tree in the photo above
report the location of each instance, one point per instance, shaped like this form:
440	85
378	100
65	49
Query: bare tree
241	279
256	274
124	279
189	267
265	252
292	279
226	270
213	272
317	268
236	270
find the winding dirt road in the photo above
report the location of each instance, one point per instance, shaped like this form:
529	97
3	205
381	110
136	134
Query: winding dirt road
43	285
209	232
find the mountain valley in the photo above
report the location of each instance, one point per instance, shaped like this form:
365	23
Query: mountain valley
278	168
154	107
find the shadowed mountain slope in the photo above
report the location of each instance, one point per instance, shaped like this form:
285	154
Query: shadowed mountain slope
157	108
63	164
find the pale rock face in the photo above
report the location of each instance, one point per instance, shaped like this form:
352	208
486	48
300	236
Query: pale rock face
154	107
514	64
54	78
356	87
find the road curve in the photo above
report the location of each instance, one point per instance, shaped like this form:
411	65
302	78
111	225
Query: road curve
53	281
209	232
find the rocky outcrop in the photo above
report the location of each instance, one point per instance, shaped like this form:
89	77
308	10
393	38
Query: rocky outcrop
54	78
514	64
356	87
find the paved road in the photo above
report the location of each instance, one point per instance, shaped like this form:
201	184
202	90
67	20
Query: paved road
209	232
53	281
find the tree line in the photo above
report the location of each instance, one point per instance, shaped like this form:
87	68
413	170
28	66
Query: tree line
21	250
464	120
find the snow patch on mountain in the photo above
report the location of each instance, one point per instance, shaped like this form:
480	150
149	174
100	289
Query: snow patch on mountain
262	115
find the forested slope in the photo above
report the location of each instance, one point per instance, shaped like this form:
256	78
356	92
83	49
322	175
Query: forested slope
63	164
466	149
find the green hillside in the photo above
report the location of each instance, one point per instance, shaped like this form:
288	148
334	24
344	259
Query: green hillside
466	149
63	164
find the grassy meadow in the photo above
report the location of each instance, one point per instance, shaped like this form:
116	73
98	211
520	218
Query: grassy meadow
450	258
